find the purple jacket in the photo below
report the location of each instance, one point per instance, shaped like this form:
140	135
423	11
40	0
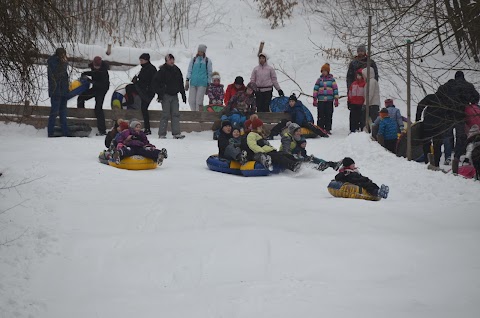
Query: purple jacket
265	78
215	94
138	139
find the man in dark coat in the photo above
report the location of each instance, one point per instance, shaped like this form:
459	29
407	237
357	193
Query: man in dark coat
455	95
358	62
142	86
58	90
101	84
167	83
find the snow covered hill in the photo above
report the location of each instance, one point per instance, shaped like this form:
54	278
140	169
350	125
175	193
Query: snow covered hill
81	239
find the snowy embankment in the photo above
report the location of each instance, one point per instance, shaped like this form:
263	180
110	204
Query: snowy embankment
87	240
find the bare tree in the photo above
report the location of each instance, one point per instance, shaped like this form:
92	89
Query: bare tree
276	11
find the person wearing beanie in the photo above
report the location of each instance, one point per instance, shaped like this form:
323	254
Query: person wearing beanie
58	90
394	114
349	173
455	95
265	78
300	115
101	83
229	143
168	83
215	92
133	141
199	75
142	86
373	101
387	132
233	89
325	97
359	62
355	102
260	150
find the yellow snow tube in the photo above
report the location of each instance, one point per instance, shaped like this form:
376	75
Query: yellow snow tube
135	163
74	85
307	133
347	190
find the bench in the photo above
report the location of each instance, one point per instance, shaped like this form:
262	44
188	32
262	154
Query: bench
37	116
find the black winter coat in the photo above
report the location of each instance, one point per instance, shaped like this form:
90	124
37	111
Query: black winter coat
143	82
100	77
359	180
168	80
355	65
455	95
223	142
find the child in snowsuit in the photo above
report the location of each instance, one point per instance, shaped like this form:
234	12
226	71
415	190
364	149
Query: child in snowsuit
394	114
356	100
259	149
113	133
133	141
215	91
300	153
387	131
349	173
325	96
473	149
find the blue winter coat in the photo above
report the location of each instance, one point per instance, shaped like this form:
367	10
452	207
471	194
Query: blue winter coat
200	71
394	114
57	77
388	129
299	114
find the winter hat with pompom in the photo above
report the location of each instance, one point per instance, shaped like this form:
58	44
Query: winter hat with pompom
325	67
256	123
123	125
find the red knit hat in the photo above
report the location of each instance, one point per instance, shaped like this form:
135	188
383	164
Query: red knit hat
256	123
123	125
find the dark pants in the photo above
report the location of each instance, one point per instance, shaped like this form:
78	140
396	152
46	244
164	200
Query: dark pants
460	139
370	186
324	115
140	151
373	112
391	145
59	107
285	160
133	89
355	117
263	100
277	129
99	98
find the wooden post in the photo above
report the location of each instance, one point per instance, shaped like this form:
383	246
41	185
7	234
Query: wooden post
109	49
367	102
409	133
260	48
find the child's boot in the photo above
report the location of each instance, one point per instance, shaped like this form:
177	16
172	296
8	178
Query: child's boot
383	191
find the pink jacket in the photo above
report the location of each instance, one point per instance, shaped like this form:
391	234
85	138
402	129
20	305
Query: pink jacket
265	78
472	116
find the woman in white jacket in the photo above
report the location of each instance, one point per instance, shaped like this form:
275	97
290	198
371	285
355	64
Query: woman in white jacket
373	94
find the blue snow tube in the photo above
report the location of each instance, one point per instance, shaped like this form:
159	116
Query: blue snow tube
279	104
77	87
249	169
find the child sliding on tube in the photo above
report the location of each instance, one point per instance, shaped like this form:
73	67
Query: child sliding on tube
349	173
133	141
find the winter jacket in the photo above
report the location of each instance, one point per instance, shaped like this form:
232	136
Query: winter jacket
100	78
57	77
265	78
200	71
356	64
325	89
215	94
298	114
253	141
143	82
394	114
374	89
455	95
387	129
235	141
168	80
231	91
354	177
288	143
356	93
243	103
472	116
223	142
138	139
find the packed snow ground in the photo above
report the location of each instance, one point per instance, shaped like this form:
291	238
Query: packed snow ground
81	239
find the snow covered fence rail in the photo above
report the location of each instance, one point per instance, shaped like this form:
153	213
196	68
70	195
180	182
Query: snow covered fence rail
37	116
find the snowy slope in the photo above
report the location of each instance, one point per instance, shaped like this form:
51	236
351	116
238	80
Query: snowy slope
88	240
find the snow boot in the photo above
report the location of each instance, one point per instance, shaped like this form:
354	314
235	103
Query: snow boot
448	162
147	132
335	165
296	166
117	156
455	164
383	191
163	151
266	161
242	157
322	166
179	136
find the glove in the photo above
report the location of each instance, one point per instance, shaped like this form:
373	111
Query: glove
280	92
315	102
184	99
335	102
187	85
